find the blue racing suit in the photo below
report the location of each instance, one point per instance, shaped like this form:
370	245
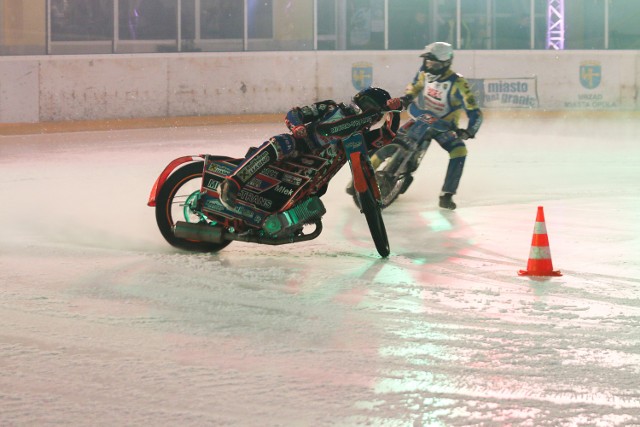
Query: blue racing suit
302	121
435	107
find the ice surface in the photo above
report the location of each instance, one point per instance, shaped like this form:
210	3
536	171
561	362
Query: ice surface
103	323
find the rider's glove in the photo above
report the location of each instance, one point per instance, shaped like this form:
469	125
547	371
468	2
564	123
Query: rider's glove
406	100
463	134
394	104
299	132
288	123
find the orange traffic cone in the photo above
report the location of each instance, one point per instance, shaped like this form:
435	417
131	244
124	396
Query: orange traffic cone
540	256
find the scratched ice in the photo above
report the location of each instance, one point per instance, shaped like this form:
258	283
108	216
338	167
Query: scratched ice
103	323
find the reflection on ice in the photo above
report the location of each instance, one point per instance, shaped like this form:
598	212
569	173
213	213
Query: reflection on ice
102	320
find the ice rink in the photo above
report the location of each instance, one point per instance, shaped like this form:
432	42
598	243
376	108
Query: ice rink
102	323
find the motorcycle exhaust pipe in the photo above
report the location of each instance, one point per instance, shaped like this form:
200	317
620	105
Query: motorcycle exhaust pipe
198	232
216	234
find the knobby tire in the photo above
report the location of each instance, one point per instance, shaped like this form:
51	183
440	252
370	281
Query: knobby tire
391	186
172	195
373	214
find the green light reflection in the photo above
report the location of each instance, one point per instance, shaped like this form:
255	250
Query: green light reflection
436	221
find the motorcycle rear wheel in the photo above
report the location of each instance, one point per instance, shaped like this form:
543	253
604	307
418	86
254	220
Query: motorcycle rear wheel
173	204
373	214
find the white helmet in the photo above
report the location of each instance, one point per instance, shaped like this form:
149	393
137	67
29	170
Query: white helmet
438	57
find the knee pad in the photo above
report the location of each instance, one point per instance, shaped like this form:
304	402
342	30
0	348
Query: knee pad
458	151
453	145
448	140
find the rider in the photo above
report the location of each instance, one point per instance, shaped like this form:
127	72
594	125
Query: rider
302	122
435	100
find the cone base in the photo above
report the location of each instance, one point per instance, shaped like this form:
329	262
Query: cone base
539	273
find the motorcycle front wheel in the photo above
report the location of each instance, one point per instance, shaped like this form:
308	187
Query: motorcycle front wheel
385	163
373	213
175	202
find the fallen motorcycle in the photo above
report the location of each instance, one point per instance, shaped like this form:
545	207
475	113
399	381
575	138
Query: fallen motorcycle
278	205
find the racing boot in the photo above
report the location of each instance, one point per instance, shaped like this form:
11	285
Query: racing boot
229	190
350	189
452	179
446	201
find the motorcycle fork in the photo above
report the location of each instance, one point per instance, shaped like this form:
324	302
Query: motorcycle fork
406	160
356	154
415	159
397	165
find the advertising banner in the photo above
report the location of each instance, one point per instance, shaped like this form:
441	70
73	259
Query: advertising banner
592	93
506	92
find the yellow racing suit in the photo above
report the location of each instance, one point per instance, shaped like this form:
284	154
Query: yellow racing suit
435	107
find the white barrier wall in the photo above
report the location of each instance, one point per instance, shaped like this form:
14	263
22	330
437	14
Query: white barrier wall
19	90
591	80
82	87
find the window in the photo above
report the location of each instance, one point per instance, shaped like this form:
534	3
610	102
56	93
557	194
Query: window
624	31
365	24
291	28
22	27
512	24
147	20
81	20
474	32
327	24
221	19
137	26
584	24
411	24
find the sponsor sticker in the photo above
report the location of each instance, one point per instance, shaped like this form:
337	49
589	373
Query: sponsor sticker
212	184
219	169
253	166
291	179
255	199
284	190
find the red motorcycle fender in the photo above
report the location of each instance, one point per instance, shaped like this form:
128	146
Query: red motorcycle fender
359	180
165	174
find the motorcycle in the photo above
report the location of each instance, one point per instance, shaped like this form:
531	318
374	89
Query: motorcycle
278	205
395	164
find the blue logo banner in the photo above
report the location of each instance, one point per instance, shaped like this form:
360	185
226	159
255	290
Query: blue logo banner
590	74
362	75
